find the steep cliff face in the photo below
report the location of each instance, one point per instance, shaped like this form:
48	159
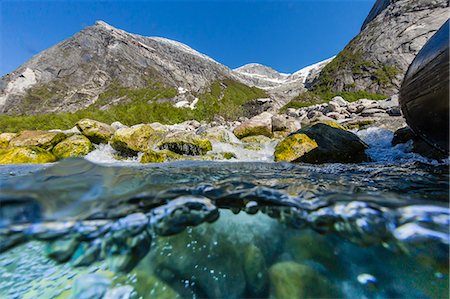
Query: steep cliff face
376	60
72	74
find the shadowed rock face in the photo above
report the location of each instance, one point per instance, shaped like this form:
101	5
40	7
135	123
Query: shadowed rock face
72	74
376	60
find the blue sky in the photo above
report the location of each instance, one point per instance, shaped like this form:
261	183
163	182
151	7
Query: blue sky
285	35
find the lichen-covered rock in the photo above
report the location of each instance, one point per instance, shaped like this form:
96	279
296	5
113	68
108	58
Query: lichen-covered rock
285	123
5	138
258	125
42	139
96	131
289	280
185	143
21	155
130	141
151	156
259	139
218	134
334	145
293	147
74	146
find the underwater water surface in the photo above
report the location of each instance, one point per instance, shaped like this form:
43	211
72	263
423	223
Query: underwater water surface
76	229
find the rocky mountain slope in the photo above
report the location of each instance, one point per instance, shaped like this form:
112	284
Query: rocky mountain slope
378	57
72	74
280	86
101	59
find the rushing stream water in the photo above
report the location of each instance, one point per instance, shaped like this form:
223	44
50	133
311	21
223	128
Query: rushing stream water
193	229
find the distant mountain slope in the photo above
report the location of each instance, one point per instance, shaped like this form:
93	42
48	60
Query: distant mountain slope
376	60
72	74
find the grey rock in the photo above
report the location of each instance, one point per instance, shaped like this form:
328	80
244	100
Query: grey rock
391	36
90	286
339	101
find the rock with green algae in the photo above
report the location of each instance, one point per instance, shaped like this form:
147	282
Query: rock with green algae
148	286
293	147
203	259
42	139
5	138
74	146
255	270
218	134
257	125
96	131
140	138
159	156
260	139
22	155
289	280
334	145
185	143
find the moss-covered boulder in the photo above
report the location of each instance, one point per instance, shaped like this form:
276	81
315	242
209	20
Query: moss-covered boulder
293	147
334	145
130	141
185	143
260	139
74	146
22	155
289	280
151	156
218	134
258	125
96	131
42	139
5	138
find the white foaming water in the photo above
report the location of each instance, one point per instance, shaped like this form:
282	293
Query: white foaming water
104	153
242	154
381	150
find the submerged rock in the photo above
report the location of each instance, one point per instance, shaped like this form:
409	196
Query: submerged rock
419	146
289	280
293	147
334	145
255	270
74	146
130	141
258	125
185	143
20	155
96	131
5	138
42	139
90	286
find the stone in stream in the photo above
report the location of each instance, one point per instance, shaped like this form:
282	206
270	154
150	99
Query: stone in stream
181	212
185	143
96	131
61	250
255	270
257	125
5	138
139	138
90	286
74	146
159	156
331	145
289	280
43	139
20	155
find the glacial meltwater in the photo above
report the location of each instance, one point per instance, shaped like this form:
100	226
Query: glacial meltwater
197	229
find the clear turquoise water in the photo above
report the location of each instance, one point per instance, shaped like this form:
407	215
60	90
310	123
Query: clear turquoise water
224	230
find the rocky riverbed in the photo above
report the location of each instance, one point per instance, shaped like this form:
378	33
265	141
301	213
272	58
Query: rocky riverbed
317	134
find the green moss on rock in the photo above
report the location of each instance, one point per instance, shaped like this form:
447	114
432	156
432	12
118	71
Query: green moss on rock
130	141
42	139
74	146
5	138
294	147
184	143
95	131
22	155
151	156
